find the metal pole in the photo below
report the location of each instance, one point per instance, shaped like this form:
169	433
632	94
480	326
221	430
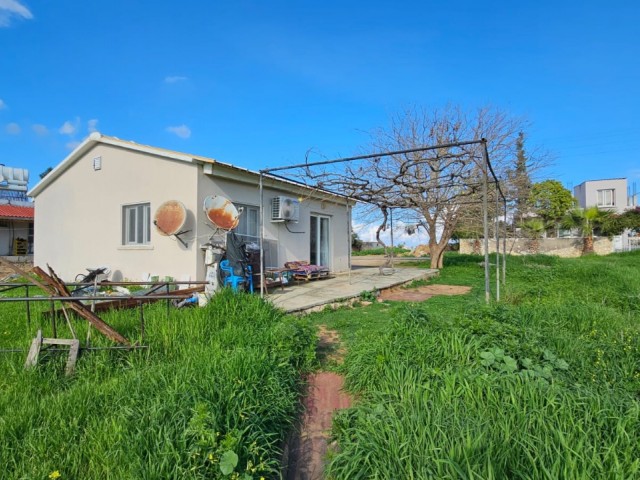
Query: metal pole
262	286
53	320
374	155
141	321
391	221
504	249
497	235
26	287
168	302
485	222
350	233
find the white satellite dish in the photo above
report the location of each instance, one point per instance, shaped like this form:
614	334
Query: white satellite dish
170	217
221	212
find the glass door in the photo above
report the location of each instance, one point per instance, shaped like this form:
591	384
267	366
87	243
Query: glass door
319	240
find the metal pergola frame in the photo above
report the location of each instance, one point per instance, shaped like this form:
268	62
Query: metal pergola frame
486	167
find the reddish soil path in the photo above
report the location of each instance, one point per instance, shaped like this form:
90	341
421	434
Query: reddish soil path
422	293
307	452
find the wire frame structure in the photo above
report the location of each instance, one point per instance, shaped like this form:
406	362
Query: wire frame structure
437	181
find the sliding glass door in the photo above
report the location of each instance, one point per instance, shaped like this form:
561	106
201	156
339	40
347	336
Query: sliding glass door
319	233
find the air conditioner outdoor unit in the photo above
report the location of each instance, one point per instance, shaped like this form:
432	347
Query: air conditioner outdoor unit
285	209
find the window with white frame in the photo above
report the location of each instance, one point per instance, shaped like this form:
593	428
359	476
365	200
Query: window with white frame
136	224
248	223
606	198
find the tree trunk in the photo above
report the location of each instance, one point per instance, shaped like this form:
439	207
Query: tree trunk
437	255
477	246
587	245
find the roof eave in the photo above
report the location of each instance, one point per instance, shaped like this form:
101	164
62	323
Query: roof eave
80	150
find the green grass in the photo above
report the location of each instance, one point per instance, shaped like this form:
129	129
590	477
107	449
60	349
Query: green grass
216	392
380	251
545	384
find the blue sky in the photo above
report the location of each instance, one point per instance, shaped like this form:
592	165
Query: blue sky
257	84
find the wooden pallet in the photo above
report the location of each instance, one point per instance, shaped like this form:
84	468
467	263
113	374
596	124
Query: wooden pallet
36	345
311	276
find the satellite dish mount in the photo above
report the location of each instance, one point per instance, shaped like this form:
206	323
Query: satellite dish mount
170	219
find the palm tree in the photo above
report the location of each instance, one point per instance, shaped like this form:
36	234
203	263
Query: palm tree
534	229
587	220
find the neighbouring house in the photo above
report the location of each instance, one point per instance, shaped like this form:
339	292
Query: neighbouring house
16	213
96	208
609	194
16	230
612	195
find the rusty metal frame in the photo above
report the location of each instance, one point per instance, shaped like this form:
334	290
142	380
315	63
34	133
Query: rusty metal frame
487	170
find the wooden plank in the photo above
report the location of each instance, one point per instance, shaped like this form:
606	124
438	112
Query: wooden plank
32	357
23	273
58	341
73	356
56	286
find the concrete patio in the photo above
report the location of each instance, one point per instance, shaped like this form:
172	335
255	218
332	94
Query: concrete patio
302	296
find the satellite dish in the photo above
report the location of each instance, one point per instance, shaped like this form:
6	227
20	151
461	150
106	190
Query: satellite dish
221	212
170	217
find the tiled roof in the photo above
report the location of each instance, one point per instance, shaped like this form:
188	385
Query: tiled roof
13	211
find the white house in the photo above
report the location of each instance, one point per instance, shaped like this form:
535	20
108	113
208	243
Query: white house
96	209
608	194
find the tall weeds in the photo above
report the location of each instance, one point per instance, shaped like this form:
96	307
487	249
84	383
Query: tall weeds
213	397
543	385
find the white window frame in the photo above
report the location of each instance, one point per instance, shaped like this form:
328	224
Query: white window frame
602	201
137	215
244	230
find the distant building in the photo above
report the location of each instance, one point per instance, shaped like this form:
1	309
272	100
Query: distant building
16	230
612	195
16	213
609	194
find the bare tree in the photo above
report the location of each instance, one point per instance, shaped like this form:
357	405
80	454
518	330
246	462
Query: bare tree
437	185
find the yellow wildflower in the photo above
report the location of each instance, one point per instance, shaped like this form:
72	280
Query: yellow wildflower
55	474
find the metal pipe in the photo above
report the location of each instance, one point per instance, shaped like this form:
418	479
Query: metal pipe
262	278
391	222
80	299
497	236
374	155
26	287
350	242
53	318
504	249
119	347
485	224
141	320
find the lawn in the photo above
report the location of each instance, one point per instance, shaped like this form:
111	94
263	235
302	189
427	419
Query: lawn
213	396
545	384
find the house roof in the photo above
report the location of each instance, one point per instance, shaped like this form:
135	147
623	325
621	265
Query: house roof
13	211
97	137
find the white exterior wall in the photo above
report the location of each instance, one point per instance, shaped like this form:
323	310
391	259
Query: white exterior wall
587	193
243	188
78	221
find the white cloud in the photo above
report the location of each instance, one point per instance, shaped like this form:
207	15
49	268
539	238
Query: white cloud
40	129
2	104
10	9
72	144
181	131
92	125
68	127
172	79
13	128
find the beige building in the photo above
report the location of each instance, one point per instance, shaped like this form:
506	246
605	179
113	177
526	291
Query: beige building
96	208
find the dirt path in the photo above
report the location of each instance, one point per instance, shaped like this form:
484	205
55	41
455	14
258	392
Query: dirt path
422	293
307	451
